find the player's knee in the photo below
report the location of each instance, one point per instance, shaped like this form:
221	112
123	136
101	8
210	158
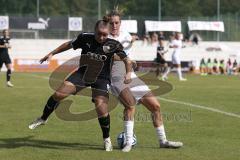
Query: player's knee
130	109
156	107
58	96
128	102
101	102
101	107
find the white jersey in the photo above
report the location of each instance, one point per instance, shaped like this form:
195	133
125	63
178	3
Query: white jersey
176	51
118	68
137	87
177	43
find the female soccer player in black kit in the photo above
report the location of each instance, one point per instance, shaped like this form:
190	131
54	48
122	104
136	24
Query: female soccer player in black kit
4	56
97	50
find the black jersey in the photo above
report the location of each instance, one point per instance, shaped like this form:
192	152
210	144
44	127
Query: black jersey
96	58
160	52
3	41
160	55
235	64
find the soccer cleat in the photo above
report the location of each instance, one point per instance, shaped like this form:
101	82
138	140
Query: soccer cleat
108	145
182	79
9	84
127	147
37	123
163	78
171	144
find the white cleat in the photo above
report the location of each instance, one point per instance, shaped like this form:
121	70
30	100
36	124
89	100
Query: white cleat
171	144
183	79
37	123
127	147
9	84
163	78
108	145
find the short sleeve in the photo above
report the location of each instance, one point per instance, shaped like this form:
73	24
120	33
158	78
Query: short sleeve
121	54
128	36
128	45
120	50
78	42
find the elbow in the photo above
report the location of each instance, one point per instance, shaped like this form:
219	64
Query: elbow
128	61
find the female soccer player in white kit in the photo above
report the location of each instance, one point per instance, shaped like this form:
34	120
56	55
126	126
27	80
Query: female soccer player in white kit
176	44
135	92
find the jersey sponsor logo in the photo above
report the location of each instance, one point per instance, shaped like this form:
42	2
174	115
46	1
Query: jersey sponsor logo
97	57
111	46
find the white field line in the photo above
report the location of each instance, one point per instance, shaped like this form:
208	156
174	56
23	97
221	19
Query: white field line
200	107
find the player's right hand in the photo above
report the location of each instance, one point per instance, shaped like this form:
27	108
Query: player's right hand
6	45
46	58
128	78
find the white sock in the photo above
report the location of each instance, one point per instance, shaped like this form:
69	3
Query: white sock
179	72
107	139
161	133
128	129
166	72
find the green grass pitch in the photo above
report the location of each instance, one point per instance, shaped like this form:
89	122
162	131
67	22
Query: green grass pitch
205	132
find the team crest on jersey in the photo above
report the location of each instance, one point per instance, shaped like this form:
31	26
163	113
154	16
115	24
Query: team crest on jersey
89	45
111	46
106	49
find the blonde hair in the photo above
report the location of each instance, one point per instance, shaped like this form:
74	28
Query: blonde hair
114	12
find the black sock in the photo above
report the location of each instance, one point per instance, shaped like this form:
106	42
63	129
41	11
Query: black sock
9	72
105	125
49	108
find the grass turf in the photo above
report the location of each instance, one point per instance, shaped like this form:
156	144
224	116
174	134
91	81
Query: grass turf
206	134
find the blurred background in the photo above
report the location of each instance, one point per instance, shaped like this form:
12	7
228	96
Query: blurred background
210	29
21	12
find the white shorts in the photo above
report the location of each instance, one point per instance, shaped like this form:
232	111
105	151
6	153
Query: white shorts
137	87
176	59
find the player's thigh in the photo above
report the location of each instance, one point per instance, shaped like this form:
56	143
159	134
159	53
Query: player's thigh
66	89
150	102
8	65
176	60
100	91
126	98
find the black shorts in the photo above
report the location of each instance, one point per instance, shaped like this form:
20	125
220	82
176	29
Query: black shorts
99	87
160	61
4	58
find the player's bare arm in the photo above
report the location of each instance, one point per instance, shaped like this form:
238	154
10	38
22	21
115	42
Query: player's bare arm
3	46
64	47
117	58
128	66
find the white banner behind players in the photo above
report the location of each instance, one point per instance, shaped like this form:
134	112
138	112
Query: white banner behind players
4	22
75	23
152	26
204	25
129	26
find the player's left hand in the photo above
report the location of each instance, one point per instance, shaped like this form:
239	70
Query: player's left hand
128	78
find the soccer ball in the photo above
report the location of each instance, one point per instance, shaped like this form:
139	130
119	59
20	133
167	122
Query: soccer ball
121	140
